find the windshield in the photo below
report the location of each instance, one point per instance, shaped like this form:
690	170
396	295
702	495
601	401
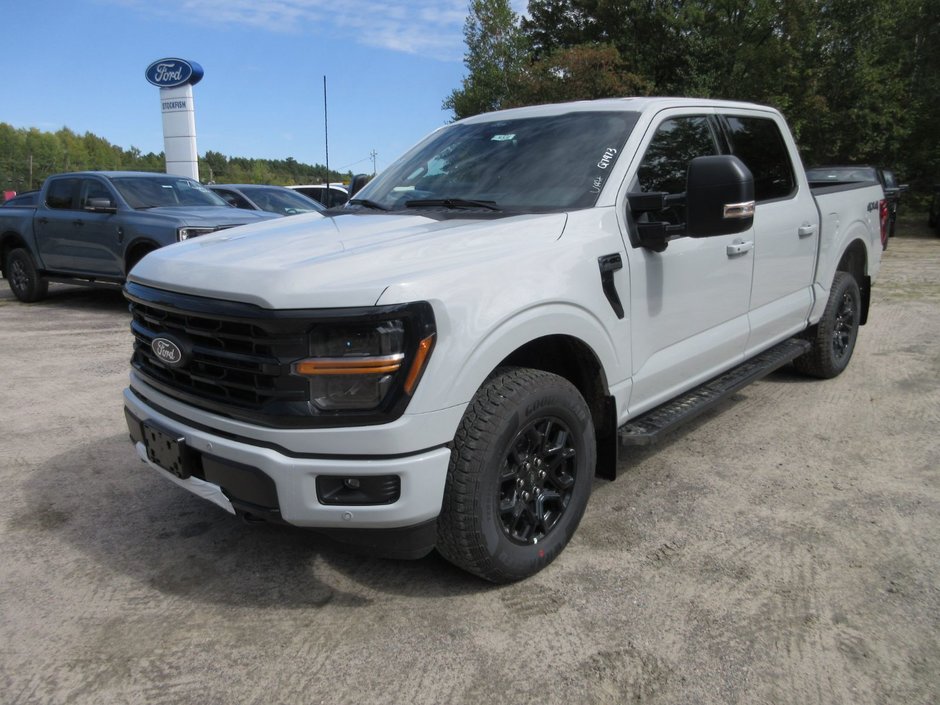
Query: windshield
283	201
156	191
555	162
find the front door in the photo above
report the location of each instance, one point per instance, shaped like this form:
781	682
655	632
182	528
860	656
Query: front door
689	303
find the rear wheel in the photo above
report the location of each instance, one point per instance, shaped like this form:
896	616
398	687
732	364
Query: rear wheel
833	338
520	475
25	282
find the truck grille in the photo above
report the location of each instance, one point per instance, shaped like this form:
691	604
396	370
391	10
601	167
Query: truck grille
236	357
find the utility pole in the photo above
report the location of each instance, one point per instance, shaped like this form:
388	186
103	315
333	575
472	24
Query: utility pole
373	154
326	133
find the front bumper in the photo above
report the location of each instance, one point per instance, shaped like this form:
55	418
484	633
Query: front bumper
261	482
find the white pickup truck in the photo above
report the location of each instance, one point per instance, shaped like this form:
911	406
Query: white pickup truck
448	360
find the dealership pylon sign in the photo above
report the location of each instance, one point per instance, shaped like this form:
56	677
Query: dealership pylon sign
175	78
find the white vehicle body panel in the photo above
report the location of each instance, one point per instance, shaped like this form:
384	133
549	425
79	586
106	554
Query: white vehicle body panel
497	285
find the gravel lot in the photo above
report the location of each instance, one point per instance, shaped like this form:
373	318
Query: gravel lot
783	549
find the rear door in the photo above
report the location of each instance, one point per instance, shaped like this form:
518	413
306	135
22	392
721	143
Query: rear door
786	228
54	223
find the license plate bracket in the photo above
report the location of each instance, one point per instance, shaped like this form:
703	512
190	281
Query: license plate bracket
168	450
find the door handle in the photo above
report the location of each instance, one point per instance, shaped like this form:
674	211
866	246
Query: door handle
43	220
739	247
78	223
807	230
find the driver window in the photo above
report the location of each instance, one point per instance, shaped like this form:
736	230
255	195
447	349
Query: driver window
676	143
91	188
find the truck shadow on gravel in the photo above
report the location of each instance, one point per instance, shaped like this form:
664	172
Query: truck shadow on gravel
84	298
118	516
63	296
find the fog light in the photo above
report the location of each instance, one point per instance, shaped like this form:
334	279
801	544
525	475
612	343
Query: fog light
372	489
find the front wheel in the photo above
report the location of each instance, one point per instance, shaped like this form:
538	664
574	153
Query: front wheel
520	475
25	282
833	338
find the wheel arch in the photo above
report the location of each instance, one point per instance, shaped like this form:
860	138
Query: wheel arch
561	338
854	261
10	241
136	250
574	360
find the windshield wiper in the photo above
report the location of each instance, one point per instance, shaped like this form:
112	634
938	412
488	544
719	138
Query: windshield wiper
450	203
368	204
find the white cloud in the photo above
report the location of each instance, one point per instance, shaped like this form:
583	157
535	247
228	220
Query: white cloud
432	28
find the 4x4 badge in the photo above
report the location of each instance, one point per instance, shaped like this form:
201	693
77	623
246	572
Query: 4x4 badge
167	351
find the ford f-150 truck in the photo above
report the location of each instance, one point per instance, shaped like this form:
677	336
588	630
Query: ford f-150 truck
92	227
449	359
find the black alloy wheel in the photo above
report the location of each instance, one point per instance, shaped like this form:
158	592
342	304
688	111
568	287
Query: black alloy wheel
537	480
25	282
845	326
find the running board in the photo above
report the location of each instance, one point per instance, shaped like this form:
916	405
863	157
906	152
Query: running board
650	427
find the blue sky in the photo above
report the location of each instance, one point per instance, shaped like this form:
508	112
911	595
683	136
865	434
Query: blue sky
81	64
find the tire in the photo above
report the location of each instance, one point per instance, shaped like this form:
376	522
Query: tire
520	475
834	337
25	282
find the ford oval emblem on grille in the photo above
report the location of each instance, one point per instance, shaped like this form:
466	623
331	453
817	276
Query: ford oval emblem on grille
167	352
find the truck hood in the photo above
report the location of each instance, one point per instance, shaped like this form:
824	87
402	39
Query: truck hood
209	216
307	261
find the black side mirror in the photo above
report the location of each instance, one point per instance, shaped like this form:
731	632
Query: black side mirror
100	205
655	234
358	181
719	196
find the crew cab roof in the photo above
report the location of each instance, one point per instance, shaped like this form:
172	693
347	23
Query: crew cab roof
626	104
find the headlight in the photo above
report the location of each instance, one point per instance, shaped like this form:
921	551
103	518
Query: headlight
358	366
187	232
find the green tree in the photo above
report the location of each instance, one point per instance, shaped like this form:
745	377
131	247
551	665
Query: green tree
495	50
581	72
858	80
28	156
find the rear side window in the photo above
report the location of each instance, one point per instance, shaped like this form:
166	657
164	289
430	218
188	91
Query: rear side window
759	144
60	193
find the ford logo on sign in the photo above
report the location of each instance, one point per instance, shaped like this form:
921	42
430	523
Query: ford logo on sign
167	352
169	73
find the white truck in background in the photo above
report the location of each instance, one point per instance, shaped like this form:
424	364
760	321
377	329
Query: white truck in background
449	359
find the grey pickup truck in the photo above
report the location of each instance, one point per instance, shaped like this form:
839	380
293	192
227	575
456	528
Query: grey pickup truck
93	227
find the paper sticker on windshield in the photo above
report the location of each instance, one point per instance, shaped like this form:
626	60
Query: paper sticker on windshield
502	138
